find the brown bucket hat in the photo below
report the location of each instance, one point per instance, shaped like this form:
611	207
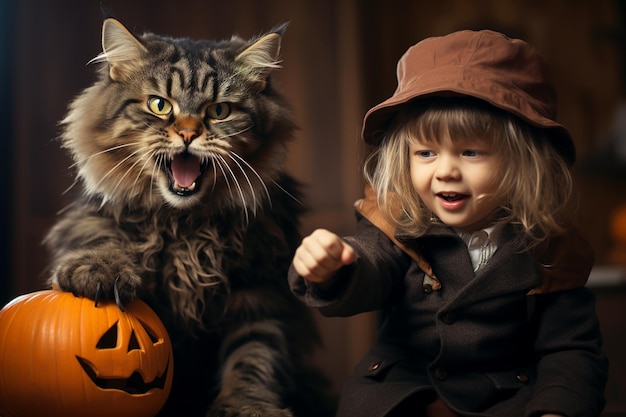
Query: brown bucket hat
507	73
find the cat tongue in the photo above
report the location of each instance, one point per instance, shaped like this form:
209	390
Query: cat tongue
185	169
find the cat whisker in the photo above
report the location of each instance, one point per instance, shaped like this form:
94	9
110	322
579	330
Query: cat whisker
254	199
288	193
219	163
66	208
149	156
147	153
113	148
254	171
115	167
239	189
130	168
160	162
205	160
239	132
67	190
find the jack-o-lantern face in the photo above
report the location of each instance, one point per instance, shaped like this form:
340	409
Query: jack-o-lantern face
121	340
61	355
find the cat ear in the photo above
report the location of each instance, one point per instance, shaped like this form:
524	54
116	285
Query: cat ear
262	56
120	48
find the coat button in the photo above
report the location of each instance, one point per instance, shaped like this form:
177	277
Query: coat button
440	374
521	377
374	366
448	317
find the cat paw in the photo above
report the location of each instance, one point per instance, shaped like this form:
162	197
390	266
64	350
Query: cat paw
262	410
97	278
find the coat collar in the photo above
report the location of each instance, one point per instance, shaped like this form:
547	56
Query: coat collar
564	262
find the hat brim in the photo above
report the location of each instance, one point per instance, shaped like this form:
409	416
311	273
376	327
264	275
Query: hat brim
377	119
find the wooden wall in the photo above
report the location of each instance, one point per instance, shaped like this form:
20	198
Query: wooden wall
339	60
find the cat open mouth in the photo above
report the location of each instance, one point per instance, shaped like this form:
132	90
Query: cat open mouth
184	171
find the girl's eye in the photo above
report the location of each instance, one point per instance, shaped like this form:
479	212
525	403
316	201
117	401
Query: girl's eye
218	111
159	106
425	154
472	153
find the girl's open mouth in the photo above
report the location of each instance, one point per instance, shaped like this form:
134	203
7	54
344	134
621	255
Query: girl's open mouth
452	201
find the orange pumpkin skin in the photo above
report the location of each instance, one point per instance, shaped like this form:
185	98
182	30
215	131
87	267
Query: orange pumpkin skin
60	355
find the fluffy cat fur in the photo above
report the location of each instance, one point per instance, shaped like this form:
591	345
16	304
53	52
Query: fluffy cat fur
179	148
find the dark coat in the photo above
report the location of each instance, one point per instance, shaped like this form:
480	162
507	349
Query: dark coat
481	342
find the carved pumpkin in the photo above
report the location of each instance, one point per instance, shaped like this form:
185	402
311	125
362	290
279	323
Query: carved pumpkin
61	355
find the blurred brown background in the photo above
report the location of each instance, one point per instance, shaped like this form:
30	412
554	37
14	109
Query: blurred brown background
339	60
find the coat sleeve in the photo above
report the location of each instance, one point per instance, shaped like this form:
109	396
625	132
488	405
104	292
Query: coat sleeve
572	369
366	284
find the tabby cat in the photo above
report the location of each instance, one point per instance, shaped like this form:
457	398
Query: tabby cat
180	150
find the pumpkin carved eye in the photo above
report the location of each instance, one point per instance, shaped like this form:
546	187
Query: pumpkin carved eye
133	344
151	333
108	339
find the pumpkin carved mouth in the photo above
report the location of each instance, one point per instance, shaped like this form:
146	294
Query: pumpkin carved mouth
132	385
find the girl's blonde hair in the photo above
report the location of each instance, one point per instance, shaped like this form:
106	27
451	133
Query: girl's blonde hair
535	180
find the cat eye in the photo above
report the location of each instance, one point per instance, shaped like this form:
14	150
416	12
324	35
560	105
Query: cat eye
159	106
218	111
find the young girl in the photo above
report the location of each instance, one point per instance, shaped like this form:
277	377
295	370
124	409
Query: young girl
464	246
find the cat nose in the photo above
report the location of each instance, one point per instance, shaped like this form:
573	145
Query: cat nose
188	134
188	128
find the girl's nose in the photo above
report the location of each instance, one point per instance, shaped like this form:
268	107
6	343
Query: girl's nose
447	168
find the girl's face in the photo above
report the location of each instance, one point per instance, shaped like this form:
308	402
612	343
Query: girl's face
457	180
